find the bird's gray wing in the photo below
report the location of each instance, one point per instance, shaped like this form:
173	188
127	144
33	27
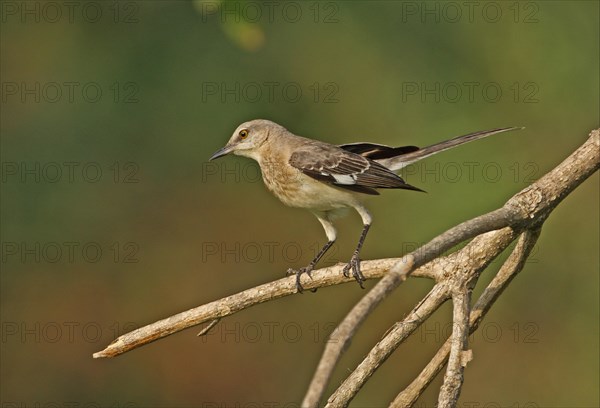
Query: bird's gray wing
344	169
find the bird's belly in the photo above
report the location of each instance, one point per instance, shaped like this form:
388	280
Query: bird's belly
298	190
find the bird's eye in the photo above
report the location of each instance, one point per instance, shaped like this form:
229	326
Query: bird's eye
243	133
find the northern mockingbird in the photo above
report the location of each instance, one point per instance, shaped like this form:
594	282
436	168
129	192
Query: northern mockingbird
325	178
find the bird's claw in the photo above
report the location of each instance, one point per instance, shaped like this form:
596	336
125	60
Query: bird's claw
354	265
298	272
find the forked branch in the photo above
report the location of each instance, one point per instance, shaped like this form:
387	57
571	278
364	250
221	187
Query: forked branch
527	209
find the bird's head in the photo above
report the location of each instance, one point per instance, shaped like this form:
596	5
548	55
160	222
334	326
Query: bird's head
248	138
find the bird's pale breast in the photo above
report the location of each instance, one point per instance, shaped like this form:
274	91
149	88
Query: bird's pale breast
296	189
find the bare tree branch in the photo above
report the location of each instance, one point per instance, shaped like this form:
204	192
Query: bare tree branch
467	263
455	275
346	329
526	209
511	267
235	303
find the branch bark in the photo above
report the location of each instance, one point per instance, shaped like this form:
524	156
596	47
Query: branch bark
235	303
459	355
511	267
465	265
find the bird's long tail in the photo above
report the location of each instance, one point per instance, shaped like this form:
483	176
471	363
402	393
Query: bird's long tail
403	157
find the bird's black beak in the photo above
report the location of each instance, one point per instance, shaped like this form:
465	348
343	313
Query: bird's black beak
221	152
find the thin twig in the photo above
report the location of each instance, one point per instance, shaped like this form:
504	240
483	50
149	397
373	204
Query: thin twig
205	330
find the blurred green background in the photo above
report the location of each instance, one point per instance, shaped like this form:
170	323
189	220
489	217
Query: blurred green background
112	218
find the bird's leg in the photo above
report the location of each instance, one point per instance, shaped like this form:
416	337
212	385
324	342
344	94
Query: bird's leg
354	263
331	235
308	269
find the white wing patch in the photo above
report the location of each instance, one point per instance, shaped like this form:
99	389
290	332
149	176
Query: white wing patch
346	179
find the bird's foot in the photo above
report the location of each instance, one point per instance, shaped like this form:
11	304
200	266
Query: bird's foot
298	272
354	265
